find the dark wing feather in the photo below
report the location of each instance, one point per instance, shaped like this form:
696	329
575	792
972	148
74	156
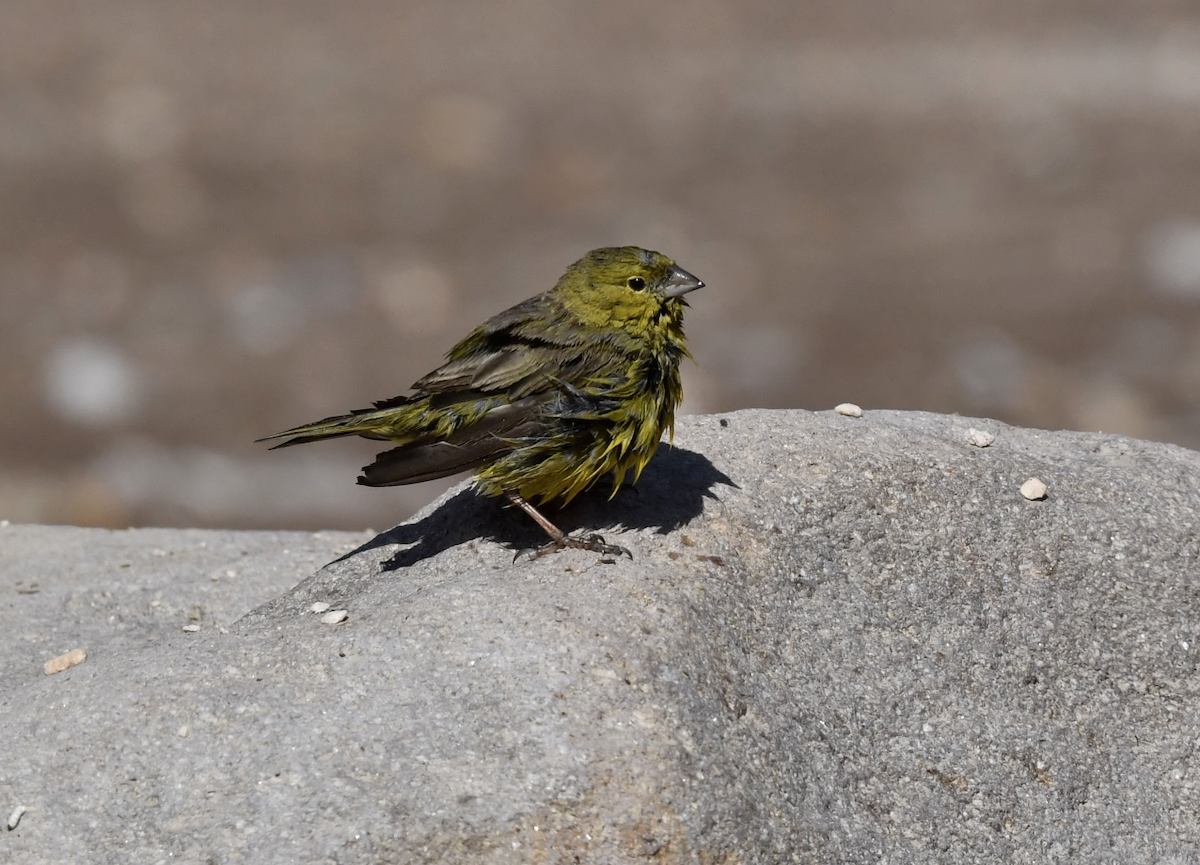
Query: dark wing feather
466	449
518	348
412	464
490	371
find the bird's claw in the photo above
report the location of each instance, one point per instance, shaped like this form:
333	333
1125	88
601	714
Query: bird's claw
593	543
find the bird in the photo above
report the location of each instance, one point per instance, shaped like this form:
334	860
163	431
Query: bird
545	398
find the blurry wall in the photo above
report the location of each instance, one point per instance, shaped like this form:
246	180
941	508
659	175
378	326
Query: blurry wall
219	219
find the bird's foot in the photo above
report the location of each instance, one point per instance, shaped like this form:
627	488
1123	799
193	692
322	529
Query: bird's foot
593	543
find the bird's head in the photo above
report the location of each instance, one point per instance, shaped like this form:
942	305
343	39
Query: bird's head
626	286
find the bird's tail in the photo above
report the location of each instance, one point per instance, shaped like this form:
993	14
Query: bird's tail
378	423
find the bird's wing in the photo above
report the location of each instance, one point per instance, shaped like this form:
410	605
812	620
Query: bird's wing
498	382
532	387
517	352
465	449
490	370
520	380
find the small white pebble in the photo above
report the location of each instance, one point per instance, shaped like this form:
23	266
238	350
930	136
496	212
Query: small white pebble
191	629
319	607
64	662
979	438
1033	489
15	817
334	617
3	524
849	409
184	731
231	573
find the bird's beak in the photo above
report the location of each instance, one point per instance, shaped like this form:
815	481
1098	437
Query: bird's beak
680	282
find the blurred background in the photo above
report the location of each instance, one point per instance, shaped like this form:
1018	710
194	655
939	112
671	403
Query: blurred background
219	219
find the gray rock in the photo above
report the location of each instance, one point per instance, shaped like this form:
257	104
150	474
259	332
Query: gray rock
108	592
840	640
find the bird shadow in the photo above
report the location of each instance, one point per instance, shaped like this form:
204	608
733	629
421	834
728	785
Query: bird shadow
669	494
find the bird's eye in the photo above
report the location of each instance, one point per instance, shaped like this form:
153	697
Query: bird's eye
636	283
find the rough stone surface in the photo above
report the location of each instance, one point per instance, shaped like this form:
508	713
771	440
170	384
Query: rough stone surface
109	592
840	640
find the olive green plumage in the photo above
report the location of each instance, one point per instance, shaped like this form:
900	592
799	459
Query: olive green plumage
547	397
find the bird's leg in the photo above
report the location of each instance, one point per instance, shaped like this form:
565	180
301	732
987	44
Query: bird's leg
560	540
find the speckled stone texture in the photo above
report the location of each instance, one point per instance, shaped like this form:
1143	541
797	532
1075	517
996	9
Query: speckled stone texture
840	641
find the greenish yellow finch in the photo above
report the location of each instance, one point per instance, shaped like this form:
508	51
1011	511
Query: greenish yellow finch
545	398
